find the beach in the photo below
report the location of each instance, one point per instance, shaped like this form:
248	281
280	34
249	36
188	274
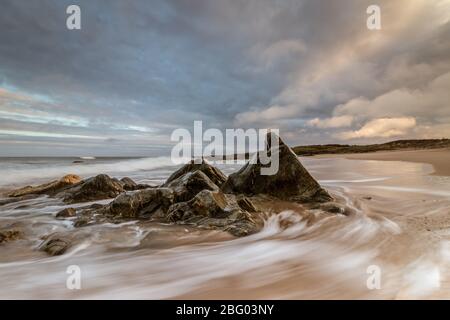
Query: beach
399	223
438	158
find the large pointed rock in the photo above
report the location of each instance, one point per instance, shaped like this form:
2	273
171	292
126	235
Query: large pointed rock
291	182
214	174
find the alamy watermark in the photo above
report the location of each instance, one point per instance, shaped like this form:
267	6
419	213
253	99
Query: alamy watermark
374	20
374	280
236	147
73	21
73	281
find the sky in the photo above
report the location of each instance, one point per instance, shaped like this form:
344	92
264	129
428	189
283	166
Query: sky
137	70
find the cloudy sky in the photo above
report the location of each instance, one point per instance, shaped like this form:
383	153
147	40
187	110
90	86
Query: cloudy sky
137	70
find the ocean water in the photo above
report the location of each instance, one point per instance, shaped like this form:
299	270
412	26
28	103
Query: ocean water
401	225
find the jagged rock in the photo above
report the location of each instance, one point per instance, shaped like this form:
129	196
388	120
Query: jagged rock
205	204
129	205
214	174
129	185
291	182
95	188
47	188
138	204
214	209
56	244
66	213
245	204
9	235
241	228
190	184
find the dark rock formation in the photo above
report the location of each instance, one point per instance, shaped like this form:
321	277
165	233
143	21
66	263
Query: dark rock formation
142	203
214	174
95	188
66	213
129	185
205	204
245	204
9	235
291	182
49	188
188	185
139	204
214	209
197	194
56	244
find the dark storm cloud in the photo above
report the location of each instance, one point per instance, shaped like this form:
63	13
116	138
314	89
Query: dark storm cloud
138	69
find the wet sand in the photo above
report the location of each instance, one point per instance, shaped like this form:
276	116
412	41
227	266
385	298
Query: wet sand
438	158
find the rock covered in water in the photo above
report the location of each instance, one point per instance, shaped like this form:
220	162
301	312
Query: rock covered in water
291	182
66	213
49	188
96	188
9	235
214	174
56	244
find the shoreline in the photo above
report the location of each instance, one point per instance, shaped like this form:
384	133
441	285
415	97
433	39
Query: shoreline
439	159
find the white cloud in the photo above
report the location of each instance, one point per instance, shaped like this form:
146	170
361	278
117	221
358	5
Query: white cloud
264	116
334	122
381	128
432	100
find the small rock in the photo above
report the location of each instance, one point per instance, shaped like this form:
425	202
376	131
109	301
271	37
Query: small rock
128	184
66	213
9	235
55	245
245	204
332	208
